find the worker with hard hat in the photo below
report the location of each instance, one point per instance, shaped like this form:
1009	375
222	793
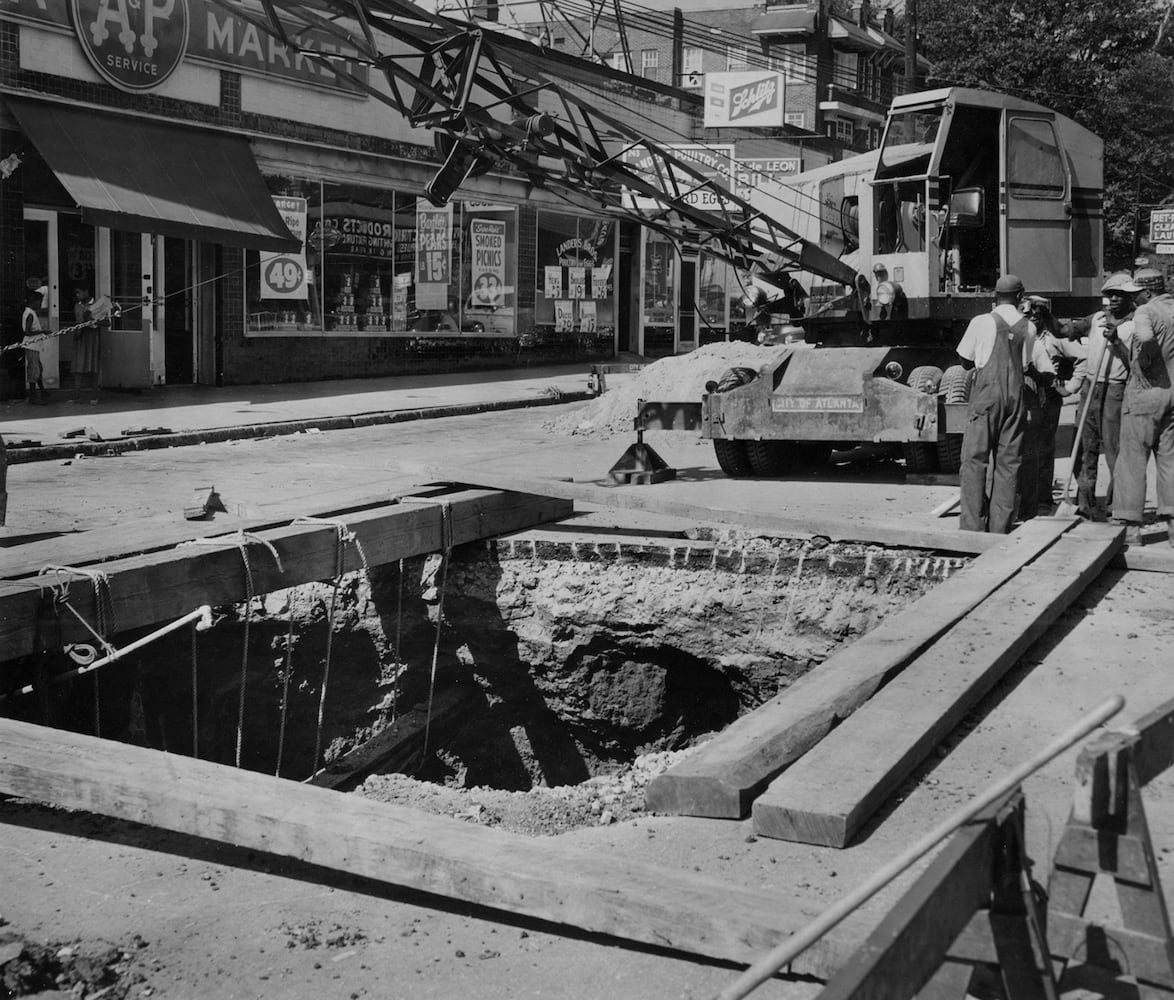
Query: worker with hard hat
1147	413
1106	346
1001	346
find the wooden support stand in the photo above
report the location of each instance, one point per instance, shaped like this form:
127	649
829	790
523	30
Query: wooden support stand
974	907
1107	836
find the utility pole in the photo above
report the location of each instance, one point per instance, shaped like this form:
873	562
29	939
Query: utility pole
910	46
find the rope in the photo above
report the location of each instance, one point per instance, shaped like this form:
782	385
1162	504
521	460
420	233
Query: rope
446	542
343	535
242	539
195	700
104	612
399	620
286	670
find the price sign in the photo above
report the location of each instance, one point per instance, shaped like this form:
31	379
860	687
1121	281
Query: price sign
283	275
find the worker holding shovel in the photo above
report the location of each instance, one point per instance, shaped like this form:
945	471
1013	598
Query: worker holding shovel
1147	422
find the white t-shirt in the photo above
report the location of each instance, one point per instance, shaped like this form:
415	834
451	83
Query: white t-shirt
979	340
31	329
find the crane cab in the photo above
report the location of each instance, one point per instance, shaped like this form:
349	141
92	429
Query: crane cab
969	185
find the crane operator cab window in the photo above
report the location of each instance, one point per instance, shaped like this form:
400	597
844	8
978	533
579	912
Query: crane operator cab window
904	164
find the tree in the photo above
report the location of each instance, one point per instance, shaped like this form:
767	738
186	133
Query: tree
1100	62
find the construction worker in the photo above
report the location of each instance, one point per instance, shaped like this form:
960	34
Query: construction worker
1063	355
1147	416
1109	335
1001	345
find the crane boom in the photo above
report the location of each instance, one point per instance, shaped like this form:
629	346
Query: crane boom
497	99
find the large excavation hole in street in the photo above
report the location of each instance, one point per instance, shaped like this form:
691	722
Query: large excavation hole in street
563	656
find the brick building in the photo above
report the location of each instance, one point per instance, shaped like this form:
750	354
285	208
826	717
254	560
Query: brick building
840	65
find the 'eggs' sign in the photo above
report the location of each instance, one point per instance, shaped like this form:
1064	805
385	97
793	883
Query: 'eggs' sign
134	44
744	99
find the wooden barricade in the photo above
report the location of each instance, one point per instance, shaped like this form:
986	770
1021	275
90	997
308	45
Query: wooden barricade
975	916
974	910
1107	837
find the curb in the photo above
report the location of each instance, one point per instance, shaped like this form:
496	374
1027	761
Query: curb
213	435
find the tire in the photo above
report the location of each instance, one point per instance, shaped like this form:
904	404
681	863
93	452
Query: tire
922	456
735	378
955	387
771	458
732	457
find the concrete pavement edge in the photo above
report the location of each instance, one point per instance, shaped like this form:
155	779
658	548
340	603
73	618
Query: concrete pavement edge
146	442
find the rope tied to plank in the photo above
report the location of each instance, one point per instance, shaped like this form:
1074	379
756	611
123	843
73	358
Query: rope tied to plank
104	613
343	536
446	545
242	540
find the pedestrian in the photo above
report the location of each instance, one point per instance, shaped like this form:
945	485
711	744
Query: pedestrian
1001	345
30	328
1110	332
1062	355
1147	417
86	338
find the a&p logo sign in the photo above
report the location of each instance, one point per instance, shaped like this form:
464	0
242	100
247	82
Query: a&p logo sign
134	44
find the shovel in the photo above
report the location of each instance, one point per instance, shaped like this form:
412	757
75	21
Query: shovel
1066	507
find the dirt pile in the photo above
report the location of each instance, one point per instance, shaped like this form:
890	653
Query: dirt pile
678	379
542	811
80	970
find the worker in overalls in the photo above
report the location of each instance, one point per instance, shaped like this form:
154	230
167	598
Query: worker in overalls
1000	345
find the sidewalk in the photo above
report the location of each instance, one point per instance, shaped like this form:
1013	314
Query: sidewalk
194	414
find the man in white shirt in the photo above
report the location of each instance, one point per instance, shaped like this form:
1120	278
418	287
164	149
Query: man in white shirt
1001	345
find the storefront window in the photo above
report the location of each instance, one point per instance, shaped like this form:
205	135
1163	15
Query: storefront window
659	298
576	276
380	263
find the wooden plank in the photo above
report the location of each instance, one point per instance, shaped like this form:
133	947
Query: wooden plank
1148	958
826	797
1154	751
395	741
725	776
909	945
541	877
162	586
659	501
1147	559
153	534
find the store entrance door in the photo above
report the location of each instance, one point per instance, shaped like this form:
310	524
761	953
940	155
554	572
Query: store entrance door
176	312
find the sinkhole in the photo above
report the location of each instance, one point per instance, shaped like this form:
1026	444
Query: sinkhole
561	656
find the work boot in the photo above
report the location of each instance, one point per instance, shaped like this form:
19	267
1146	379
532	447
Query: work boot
1132	532
1170	531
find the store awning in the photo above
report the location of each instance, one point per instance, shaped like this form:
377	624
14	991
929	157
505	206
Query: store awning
785	22
152	177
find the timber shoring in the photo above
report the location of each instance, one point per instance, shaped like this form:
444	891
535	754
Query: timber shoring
161	586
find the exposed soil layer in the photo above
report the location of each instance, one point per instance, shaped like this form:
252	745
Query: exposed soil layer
580	652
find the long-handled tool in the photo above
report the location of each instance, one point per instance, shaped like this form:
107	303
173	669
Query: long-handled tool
1066	507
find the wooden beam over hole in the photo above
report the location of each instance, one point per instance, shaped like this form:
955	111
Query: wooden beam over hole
163	586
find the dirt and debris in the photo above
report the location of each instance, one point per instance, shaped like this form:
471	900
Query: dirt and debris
540	812
79	970
679	379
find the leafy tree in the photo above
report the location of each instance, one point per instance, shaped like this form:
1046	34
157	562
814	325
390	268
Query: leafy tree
1104	63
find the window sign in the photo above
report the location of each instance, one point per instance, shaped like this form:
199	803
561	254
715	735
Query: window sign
587	316
433	255
554	282
600	276
564	315
487	270
576	282
283	275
